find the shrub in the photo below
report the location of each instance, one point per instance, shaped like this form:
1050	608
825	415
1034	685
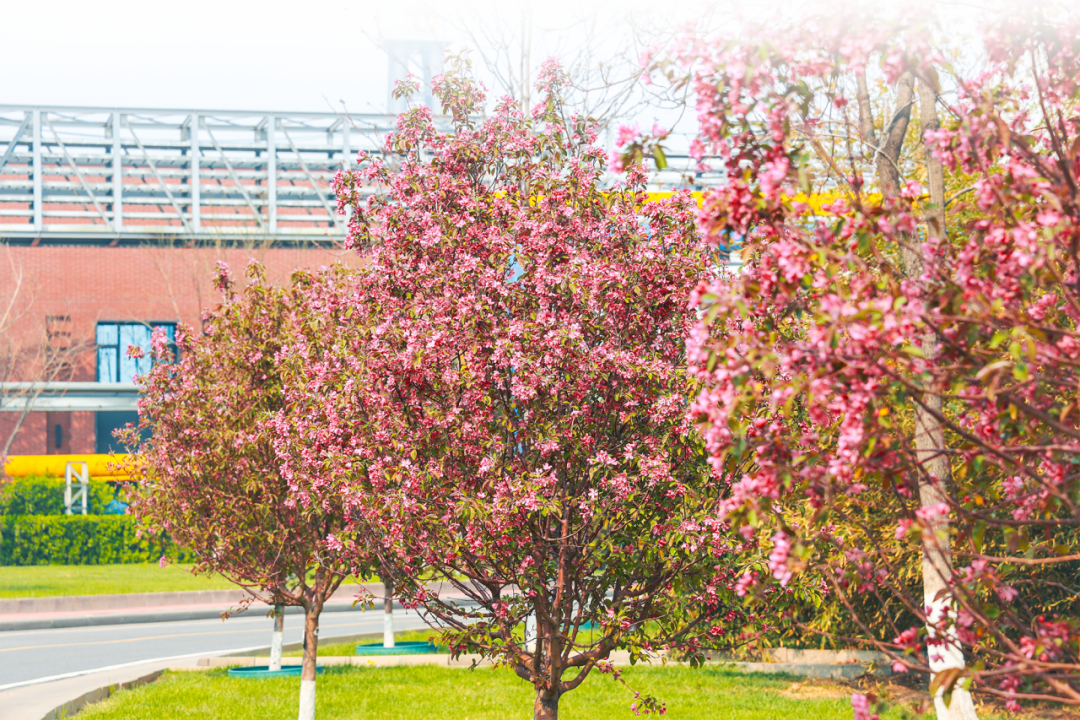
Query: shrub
81	540
39	495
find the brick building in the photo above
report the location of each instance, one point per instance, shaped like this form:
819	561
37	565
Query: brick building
82	307
111	223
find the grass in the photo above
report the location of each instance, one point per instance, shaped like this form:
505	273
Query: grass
349	648
20	581
424	692
58	580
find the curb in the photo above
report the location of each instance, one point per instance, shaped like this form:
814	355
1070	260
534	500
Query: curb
847	671
71	707
80	603
76	603
145	617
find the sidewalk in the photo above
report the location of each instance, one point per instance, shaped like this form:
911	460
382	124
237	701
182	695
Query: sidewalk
86	610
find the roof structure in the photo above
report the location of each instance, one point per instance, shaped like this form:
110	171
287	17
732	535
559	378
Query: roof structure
110	176
139	176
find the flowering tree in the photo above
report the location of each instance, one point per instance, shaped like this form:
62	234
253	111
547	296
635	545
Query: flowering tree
899	356
209	475
502	398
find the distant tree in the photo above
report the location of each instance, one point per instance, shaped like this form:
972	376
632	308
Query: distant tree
208	474
501	399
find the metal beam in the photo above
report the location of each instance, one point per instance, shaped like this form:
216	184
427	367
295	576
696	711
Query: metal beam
334	217
194	180
78	175
39	220
14	142
168	193
232	173
117	174
271	171
67	396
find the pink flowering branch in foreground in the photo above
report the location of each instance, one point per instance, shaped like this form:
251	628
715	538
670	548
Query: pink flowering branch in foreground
899	363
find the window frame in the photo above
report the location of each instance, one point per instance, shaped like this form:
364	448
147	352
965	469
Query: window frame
120	353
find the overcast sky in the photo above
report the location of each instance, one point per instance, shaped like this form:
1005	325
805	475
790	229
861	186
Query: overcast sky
301	55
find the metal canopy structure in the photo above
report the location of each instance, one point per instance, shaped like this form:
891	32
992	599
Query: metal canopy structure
137	176
67	396
78	175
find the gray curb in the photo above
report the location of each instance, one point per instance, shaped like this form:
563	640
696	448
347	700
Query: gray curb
148	617
78	603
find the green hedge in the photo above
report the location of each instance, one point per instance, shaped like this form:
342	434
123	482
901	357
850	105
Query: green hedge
80	540
45	496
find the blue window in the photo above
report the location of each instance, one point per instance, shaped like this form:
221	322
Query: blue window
113	341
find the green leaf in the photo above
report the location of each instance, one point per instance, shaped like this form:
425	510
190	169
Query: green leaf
659	157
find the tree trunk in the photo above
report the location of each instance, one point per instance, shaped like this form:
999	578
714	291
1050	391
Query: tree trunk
388	616
307	673
929	435
929	450
532	641
279	631
547	704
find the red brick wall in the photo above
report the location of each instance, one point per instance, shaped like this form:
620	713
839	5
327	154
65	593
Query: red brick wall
92	284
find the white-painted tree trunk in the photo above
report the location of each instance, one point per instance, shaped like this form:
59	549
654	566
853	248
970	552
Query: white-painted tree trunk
388	618
931	451
944	657
276	643
307	700
310	668
530	631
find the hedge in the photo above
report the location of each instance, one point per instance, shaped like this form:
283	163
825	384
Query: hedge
80	540
45	496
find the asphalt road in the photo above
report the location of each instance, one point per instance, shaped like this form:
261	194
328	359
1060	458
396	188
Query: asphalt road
36	655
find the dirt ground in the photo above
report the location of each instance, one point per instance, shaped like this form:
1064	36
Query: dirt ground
912	691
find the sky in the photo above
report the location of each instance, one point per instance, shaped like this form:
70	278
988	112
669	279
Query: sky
238	54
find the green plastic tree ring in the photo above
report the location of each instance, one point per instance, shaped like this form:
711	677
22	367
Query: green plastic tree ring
264	671
408	647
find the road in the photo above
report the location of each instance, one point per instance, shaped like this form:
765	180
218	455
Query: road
37	655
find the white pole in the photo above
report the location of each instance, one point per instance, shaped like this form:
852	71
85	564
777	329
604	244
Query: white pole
279	631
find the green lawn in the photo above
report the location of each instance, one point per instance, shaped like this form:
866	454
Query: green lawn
55	580
425	692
